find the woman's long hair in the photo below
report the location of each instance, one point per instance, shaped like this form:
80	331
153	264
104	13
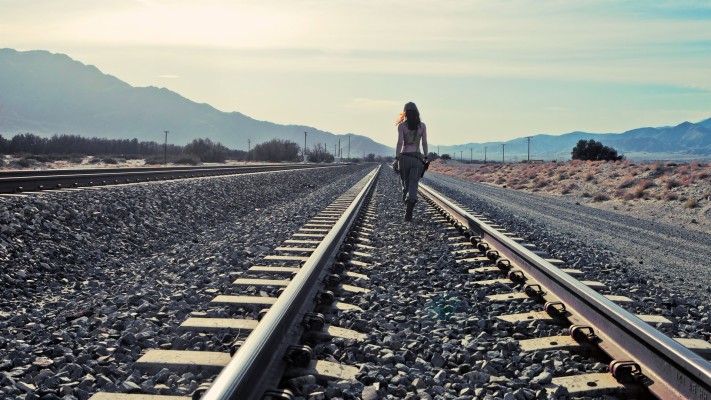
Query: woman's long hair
413	119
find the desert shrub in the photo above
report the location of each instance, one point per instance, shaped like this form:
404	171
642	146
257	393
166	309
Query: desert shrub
43	158
702	175
645	184
26	162
691	203
631	195
626	183
593	150
686	180
2	162
500	180
600	197
187	160
672	183
153	160
541	183
565	190
94	160
585	194
589	176
670	196
109	160
638	193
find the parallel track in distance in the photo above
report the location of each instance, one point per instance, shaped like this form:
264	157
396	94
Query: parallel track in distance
24	181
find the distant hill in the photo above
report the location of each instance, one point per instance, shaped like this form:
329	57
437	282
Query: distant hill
684	141
46	93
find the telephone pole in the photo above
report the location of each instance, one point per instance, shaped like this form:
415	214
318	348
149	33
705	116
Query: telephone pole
304	151
249	148
503	152
485	154
529	149
349	147
461	155
165	149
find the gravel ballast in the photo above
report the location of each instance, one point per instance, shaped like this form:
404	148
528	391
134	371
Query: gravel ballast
91	278
98	276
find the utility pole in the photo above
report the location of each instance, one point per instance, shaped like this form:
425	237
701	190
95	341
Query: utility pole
249	148
503	152
340	156
349	147
461	155
165	149
438	153
471	155
485	154
304	151
529	148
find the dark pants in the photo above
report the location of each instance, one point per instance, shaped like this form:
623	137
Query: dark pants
410	171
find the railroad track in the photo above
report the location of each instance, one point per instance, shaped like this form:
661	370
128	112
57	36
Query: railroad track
270	319
641	358
254	365
38	180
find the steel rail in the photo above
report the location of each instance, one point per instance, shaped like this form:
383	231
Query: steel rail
74	171
257	365
671	370
77	178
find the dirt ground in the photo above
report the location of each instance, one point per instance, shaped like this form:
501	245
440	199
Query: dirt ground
667	192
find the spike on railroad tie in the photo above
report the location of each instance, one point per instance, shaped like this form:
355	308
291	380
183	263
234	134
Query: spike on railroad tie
338	267
299	356
625	371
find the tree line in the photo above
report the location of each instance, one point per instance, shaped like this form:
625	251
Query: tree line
29	145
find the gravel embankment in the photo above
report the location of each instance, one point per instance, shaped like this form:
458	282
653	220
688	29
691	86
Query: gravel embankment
91	278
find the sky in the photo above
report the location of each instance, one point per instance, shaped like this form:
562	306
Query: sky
479	71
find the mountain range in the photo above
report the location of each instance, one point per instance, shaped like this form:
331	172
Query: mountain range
46	93
686	141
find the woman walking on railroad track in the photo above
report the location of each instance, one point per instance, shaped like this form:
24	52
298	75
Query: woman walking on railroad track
410	163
